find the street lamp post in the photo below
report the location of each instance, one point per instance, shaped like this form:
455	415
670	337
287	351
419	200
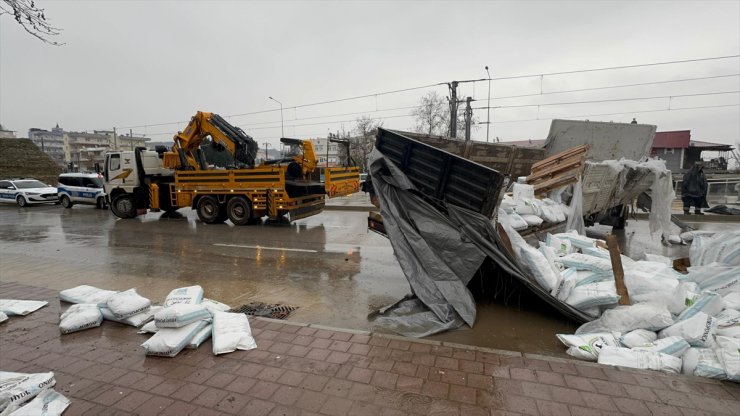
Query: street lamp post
488	107
282	128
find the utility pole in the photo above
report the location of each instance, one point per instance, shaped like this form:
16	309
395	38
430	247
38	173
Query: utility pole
266	145
282	127
488	106
131	136
115	139
468	118
453	108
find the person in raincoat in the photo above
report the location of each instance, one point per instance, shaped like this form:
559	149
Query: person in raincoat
694	189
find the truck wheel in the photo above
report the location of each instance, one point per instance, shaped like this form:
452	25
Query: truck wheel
209	210
239	210
21	201
66	202
123	206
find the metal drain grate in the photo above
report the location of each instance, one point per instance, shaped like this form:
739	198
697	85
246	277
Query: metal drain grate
275	311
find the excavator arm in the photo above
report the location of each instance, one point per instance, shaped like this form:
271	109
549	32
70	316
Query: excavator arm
186	153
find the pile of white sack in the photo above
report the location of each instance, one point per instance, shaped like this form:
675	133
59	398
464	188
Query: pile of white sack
524	210
24	394
13	307
688	323
185	320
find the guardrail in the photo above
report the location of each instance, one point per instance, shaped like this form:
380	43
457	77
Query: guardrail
721	191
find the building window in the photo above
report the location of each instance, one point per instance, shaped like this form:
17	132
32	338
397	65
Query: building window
667	151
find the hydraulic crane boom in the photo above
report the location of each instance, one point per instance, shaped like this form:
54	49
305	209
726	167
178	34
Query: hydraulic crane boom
186	153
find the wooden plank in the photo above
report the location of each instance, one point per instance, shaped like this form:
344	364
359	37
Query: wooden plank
574	161
615	255
556	181
553	173
560	156
542	192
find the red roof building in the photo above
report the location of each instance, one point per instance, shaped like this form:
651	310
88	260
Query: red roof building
680	152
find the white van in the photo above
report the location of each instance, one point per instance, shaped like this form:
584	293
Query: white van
81	188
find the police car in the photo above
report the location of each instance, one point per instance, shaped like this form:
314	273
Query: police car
81	188
26	192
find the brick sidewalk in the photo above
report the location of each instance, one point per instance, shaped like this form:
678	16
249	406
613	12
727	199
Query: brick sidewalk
307	370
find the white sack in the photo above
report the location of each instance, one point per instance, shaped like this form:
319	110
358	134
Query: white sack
201	337
566	285
86	294
507	204
135	320
548	213
732	300
597	252
586	277
683	296
588	346
637	337
20	307
723	248
522	191
728	353
594	294
707	302
657	258
214	305
586	262
649	281
536	263
728	323
562	246
626	318
46	403
18	388
531	220
179	315
578	240
702	362
127	303
80	316
674	346
192	295
527	207
148	328
231	331
168	342
697	330
647	360
3	317
517	222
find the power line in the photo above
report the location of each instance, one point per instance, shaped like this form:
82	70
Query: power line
445	83
611	100
641	84
614	114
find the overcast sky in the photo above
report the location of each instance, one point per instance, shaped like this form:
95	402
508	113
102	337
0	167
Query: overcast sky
135	63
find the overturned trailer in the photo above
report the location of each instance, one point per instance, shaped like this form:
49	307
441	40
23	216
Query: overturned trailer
437	210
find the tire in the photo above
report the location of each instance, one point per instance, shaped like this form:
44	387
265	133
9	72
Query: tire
100	203
123	206
209	210
66	202
239	210
21	201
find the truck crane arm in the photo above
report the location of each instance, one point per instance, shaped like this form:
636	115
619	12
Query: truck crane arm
186	153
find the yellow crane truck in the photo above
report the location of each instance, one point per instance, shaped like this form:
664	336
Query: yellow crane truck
167	180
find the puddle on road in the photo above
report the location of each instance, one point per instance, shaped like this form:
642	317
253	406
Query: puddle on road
328	265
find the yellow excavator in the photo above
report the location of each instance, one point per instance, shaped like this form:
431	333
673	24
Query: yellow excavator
166	180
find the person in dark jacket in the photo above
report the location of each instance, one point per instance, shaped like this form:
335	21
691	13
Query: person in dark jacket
694	189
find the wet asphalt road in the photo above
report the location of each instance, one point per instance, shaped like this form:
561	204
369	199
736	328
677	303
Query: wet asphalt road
328	265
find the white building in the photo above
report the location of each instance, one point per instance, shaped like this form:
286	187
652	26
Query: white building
82	150
326	152
6	134
50	142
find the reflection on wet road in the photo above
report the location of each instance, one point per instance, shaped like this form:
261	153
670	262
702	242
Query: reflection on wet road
327	265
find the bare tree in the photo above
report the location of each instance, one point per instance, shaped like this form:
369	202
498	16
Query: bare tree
431	115
31	18
362	144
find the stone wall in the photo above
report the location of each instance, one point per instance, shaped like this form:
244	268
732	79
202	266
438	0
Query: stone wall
20	158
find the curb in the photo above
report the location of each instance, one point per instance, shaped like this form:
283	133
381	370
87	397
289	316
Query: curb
363	208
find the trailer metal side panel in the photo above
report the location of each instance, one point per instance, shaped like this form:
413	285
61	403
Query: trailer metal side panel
442	175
